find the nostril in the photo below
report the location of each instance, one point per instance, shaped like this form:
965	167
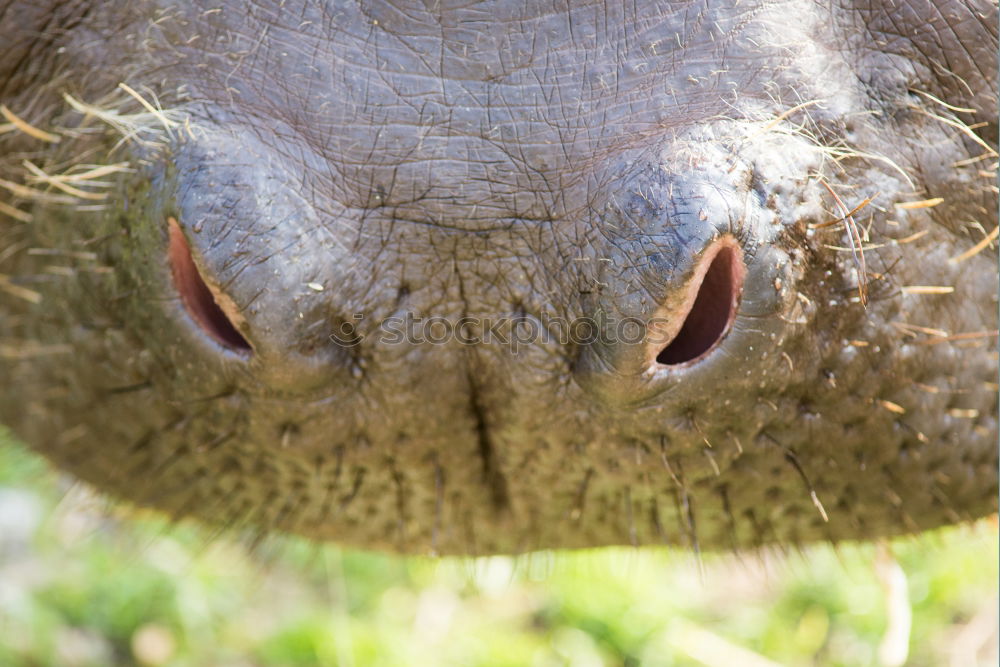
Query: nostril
713	309
205	304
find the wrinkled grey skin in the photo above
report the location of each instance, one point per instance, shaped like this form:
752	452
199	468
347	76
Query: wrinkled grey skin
340	165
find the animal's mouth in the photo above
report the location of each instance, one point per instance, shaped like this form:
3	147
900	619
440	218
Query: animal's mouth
708	308
209	307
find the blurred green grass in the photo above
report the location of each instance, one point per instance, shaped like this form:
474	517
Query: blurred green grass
80	585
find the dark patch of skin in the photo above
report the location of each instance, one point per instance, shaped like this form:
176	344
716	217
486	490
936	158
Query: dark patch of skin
536	164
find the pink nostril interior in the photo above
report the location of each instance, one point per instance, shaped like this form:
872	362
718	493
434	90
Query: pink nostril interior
201	301
713	309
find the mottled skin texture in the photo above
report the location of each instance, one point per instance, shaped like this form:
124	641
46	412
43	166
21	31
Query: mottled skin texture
507	160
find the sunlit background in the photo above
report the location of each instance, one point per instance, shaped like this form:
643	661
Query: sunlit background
83	582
